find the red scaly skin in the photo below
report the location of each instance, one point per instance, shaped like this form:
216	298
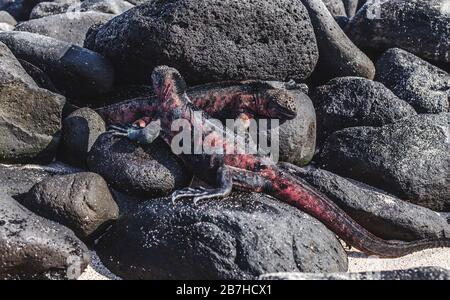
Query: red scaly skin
254	173
223	100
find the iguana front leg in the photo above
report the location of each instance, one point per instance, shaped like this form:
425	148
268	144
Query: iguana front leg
136	133
224	187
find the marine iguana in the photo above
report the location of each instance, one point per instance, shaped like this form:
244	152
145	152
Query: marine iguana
251	172
243	100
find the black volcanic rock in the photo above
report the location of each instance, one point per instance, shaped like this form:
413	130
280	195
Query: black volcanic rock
141	170
352	101
239	237
32	247
410	158
382	214
73	70
210	40
80	201
424	86
30	117
418	26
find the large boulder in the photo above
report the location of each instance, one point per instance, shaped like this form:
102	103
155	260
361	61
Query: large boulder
32	247
421	84
19	9
410	158
338	56
418	26
382	214
297	137
80	131
239	237
352	101
115	7
73	70
5	17
350	7
336	7
54	7
80	201
69	27
30	117
210	40
141	170
17	180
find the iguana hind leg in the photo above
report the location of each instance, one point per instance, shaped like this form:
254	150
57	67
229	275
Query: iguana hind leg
224	183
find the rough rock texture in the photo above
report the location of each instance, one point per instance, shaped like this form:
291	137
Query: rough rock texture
32	247
72	69
5	17
210	40
338	55
240	237
427	273
382	214
298	136
44	9
351	101
148	170
68	27
350	7
17	180
6	27
19	9
336	7
39	76
410	158
80	131
424	86
114	7
80	201
30	117
418	26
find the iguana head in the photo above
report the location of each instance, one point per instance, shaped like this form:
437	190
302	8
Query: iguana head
167	81
280	103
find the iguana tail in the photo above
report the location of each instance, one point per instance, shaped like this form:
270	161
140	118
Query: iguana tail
300	194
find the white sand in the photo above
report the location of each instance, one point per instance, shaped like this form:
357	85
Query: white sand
357	262
97	271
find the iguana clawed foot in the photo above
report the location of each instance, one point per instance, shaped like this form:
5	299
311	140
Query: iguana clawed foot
198	194
136	133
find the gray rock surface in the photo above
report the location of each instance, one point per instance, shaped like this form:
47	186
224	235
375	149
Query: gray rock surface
69	27
424	86
338	56
418	26
5	17
410	158
80	201
211	40
73	70
30	117
17	180
382	214
32	247
336	7
147	170
240	237
352	101
80	131
114	7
